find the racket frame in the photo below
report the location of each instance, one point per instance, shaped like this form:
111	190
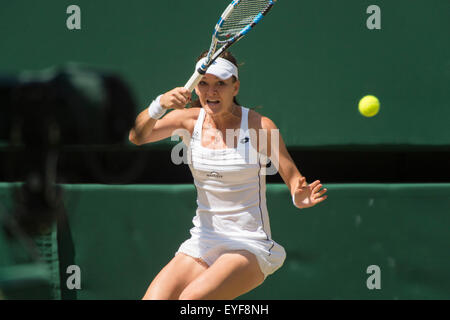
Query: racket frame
212	53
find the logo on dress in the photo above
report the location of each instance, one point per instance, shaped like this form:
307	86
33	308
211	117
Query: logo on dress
214	174
245	140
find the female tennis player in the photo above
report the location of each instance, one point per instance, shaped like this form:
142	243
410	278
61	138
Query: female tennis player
230	251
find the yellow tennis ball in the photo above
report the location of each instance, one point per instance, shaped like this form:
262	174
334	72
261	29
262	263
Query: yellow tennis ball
369	106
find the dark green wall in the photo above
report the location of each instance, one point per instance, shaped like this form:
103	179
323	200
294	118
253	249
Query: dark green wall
121	236
332	60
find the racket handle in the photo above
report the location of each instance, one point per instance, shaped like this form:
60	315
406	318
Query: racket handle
193	81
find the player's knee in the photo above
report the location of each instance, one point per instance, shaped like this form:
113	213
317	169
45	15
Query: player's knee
154	294
191	294
157	292
249	262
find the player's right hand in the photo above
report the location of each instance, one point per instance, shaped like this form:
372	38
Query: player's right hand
176	98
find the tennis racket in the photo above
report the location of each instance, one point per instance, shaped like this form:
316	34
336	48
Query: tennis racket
236	21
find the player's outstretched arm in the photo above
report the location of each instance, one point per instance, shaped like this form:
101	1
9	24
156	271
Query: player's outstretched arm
303	195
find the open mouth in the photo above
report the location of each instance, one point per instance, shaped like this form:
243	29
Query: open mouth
212	102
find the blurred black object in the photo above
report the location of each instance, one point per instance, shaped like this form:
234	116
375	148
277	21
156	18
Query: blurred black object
65	106
43	111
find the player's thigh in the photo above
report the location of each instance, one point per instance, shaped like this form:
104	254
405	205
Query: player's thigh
174	277
230	276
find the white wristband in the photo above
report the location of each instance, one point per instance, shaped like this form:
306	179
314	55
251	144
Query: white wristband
156	110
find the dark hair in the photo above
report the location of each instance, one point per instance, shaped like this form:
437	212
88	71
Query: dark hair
225	55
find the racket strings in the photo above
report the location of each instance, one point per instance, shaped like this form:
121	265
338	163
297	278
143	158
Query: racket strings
243	15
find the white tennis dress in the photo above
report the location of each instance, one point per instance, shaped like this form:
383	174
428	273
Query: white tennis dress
231	199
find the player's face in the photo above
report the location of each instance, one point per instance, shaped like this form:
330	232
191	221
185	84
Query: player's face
217	95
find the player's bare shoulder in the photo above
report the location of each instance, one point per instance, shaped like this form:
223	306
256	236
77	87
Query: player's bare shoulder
257	121
262	127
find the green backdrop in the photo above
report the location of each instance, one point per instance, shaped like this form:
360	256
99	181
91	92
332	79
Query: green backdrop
121	236
307	64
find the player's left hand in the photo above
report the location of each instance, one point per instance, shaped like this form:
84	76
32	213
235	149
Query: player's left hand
308	195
